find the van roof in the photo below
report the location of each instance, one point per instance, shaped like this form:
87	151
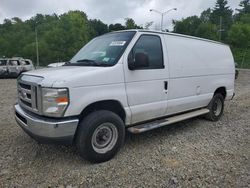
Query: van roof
173	34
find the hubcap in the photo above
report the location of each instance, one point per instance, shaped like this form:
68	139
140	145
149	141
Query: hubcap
217	107
104	137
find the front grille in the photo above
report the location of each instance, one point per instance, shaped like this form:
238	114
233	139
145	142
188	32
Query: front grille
25	86
27	95
26	103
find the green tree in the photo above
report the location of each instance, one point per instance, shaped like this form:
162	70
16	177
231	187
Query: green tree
130	24
207	30
243	14
222	14
98	27
245	18
245	7
205	15
187	26
239	35
116	27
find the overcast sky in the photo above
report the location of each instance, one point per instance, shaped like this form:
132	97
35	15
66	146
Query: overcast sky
109	11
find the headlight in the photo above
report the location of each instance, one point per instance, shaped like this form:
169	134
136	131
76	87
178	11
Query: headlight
54	101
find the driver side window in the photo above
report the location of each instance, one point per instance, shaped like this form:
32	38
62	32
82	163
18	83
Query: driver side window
148	48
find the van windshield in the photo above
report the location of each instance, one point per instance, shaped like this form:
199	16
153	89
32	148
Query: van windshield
105	50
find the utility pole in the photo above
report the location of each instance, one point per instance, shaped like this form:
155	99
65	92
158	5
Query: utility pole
37	50
220	30
220	26
162	14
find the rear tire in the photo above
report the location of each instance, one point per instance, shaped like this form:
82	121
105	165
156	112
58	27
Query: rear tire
216	107
100	136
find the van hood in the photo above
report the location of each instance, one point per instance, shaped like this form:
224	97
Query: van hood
58	72
76	76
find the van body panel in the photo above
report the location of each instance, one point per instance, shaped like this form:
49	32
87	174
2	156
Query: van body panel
197	69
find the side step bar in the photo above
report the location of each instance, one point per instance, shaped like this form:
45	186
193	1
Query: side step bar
166	121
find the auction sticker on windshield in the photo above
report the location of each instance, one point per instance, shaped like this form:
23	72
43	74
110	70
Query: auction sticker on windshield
117	43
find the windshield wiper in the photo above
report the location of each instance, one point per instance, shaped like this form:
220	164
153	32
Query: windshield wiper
88	62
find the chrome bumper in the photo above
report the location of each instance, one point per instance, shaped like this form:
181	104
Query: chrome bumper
46	129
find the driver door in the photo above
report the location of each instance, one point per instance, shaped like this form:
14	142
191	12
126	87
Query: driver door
147	83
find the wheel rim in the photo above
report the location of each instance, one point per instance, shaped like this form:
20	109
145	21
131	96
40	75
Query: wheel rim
104	137
217	107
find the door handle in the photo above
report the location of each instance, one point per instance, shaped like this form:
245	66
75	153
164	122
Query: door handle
166	85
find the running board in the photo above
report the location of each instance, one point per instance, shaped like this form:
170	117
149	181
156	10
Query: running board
166	121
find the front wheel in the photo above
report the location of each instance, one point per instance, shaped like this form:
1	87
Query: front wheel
216	107
100	136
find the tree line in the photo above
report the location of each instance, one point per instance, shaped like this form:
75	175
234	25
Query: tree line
61	36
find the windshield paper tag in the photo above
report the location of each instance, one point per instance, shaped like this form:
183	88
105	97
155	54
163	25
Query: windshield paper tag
105	59
117	43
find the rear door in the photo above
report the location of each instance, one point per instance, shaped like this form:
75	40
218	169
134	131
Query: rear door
147	86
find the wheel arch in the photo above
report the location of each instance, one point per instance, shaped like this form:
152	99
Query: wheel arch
222	90
111	105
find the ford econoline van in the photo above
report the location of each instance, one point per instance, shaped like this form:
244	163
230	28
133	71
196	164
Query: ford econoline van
134	80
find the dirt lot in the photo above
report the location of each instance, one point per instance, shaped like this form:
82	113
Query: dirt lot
193	153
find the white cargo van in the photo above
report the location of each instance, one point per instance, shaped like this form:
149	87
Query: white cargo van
131	80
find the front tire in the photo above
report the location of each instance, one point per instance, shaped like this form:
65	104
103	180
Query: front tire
100	136
216	107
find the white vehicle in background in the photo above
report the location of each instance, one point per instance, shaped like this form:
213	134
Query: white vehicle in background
58	64
136	80
13	67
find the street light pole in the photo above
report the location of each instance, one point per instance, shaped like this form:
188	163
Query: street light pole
220	29
162	14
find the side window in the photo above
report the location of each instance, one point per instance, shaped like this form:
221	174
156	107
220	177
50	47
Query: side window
13	63
3	62
27	62
149	47
22	63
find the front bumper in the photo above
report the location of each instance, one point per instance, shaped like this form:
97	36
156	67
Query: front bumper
46	130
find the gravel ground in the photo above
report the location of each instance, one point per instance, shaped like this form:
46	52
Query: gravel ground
193	153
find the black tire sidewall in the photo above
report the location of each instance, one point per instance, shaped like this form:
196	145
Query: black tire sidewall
87	127
211	116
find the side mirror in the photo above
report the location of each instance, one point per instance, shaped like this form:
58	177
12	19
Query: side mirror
131	62
141	61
